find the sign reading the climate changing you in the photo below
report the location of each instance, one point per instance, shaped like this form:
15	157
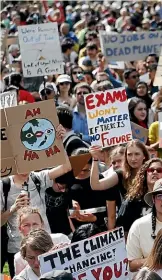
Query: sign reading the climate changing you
40	49
130	46
108	117
99	257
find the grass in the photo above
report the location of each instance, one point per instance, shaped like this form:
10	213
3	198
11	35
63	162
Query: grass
6	269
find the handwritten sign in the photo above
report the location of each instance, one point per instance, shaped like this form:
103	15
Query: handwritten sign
160	129
130	46
158	76
99	257
32	135
139	132
108	117
8	99
40	49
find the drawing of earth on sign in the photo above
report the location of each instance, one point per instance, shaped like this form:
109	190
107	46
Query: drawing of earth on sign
38	134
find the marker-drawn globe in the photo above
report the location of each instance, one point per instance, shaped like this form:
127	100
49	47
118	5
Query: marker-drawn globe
38	134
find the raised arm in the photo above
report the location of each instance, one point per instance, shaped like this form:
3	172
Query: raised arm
105	183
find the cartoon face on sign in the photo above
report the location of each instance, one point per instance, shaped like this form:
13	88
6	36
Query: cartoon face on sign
38	134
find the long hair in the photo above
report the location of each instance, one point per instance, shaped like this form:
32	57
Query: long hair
127	169
132	105
147	98
139	187
154	260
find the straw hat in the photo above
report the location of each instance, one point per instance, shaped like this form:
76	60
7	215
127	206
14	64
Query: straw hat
157	188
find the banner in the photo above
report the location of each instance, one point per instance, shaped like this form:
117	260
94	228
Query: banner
99	257
158	76
8	99
108	117
40	50
31	132
160	129
139	132
130	46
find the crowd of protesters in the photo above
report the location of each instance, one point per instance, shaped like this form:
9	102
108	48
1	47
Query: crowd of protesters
124	182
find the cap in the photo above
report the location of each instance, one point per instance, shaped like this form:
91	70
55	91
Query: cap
63	78
50	86
157	188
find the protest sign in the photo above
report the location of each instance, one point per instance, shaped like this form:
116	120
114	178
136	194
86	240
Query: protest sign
117	65
130	46
160	129
8	99
78	162
32	131
139	132
108	117
40	50
99	257
158	76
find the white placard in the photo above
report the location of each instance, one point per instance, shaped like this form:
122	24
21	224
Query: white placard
130	46
158	76
95	258
108	117
117	65
40	50
8	99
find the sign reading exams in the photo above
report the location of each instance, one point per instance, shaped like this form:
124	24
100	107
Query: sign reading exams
40	50
130	46
108	117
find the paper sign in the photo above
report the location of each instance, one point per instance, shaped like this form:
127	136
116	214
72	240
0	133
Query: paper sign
117	64
144	78
78	162
130	46
40	49
158	76
95	258
108	117
8	99
32	131
139	132
160	129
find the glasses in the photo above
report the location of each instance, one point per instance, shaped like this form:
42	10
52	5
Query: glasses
158	196
134	77
77	72
64	83
151	170
82	92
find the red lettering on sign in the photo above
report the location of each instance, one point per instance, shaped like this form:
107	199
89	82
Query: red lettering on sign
107	273
52	151
89	100
97	273
33	113
117	272
80	277
29	155
126	266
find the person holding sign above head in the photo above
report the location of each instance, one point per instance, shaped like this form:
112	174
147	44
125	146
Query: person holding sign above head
120	180
28	189
143	232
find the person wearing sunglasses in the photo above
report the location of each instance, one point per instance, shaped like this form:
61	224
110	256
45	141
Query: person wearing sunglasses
77	75
64	88
131	78
143	232
48	92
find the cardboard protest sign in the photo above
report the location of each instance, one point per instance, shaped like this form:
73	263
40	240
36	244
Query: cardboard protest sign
160	129
108	117
98	257
130	46
158	76
139	132
8	99
40	49
78	162
32	130
8	167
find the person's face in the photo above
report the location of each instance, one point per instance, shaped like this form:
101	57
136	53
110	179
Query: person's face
142	70
141	90
133	79
77	71
85	173
135	157
80	94
146	26
17	21
140	111
152	74
92	53
30	222
15	53
150	60
65	30
158	202
51	95
64	86
32	259
154	173
117	161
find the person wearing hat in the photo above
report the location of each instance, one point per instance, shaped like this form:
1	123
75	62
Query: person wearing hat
64	88
48	91
146	24
144	230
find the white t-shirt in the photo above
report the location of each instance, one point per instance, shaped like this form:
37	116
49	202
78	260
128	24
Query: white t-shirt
20	263
36	200
139	241
27	274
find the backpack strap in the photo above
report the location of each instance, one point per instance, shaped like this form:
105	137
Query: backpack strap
6	188
36	182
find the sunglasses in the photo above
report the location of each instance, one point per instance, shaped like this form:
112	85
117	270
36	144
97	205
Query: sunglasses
77	72
158	196
151	170
64	83
82	92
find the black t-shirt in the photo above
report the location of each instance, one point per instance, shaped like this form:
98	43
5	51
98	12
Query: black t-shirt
87	198
57	205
